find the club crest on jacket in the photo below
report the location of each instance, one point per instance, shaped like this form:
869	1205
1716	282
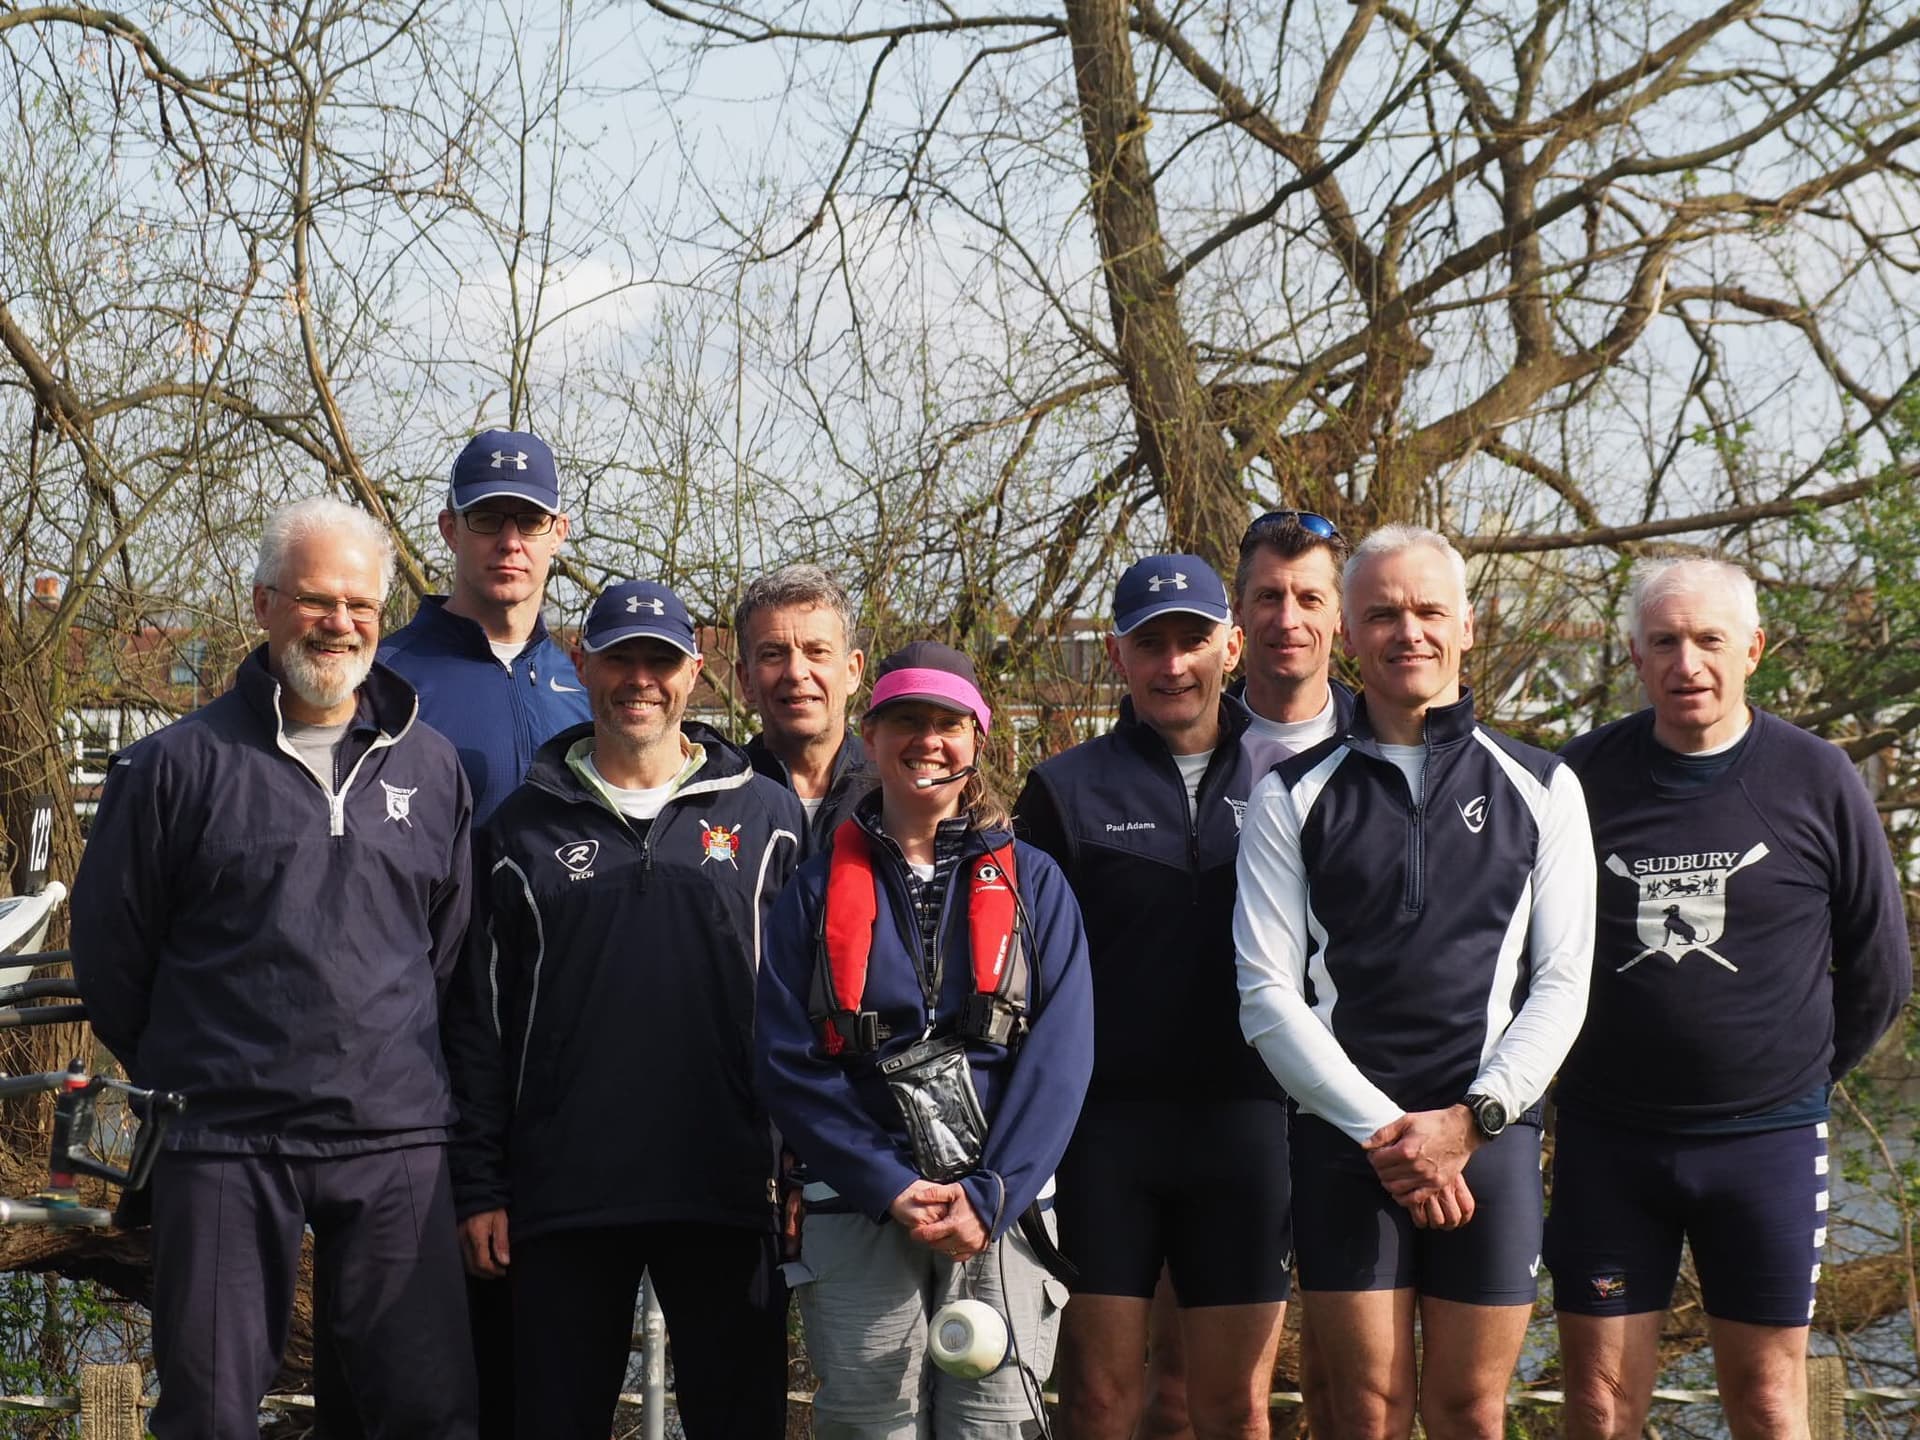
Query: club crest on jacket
399	803
1683	901
719	843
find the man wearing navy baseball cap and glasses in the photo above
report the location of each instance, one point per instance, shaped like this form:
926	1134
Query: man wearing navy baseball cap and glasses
600	1034
1179	1161
495	683
491	679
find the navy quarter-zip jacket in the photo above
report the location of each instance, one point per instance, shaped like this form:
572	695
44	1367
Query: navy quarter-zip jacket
1156	885
601	1029
1398	956
273	952
496	715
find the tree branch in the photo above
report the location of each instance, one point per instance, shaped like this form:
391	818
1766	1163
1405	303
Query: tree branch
1617	535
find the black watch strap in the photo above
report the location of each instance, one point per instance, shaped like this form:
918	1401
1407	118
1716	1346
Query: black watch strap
1489	1115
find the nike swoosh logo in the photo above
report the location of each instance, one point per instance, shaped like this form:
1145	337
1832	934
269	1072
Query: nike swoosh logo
563	689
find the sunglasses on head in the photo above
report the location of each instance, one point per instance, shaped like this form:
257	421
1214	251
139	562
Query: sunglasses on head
1308	521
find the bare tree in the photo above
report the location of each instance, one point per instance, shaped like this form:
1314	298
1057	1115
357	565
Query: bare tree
1370	259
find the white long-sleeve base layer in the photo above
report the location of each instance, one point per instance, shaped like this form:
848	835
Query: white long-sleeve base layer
1279	940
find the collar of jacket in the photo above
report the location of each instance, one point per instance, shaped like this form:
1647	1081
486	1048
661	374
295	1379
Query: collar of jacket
588	776
867	816
1445	724
384	701
848	761
458	632
1234	719
726	766
1343	701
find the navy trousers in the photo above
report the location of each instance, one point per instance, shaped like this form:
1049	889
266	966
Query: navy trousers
490	1311
726	1310
389	1293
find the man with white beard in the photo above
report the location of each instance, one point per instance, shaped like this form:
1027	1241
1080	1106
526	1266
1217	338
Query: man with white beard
269	905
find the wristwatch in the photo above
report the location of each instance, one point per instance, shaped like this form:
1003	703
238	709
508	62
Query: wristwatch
1489	1115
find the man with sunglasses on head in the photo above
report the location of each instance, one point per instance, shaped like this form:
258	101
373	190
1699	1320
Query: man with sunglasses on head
1179	1161
491	679
1286	595
495	683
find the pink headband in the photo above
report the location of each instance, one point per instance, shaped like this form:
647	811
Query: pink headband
937	686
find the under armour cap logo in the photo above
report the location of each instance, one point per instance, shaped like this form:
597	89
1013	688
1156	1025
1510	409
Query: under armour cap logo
517	459
635	605
1177	580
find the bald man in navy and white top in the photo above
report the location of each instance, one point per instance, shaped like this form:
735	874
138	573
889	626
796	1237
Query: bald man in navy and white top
1414	931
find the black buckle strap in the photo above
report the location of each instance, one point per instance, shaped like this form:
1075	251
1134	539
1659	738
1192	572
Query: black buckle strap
861	1032
993	1019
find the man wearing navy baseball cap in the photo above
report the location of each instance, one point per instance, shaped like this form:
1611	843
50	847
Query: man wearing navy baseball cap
490	677
600	1035
1179	1161
496	683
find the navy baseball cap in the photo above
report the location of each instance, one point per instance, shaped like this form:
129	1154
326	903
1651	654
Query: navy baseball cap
508	463
1165	585
638	608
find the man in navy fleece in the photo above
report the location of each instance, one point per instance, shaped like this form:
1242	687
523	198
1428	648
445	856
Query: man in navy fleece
1751	949
271	900
491	679
496	683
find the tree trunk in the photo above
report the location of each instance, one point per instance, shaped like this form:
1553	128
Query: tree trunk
1183	448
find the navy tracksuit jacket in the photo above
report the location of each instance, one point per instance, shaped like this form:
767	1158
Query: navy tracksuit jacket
1156	885
601	1031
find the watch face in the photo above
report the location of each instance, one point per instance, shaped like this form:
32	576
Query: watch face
1492	1115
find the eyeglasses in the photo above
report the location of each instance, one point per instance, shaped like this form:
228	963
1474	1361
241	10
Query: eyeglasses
1308	521
360	610
944	723
490	522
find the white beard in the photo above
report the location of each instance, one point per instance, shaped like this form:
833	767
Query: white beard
324	684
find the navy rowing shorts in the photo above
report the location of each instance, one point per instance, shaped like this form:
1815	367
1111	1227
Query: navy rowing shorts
1752	1206
1353	1235
1197	1185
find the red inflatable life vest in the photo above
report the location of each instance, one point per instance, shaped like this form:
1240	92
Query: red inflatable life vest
995	1011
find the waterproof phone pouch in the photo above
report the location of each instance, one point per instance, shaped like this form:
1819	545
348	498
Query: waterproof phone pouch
933	1087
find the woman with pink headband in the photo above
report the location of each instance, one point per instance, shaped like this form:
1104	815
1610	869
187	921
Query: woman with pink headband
924	1039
